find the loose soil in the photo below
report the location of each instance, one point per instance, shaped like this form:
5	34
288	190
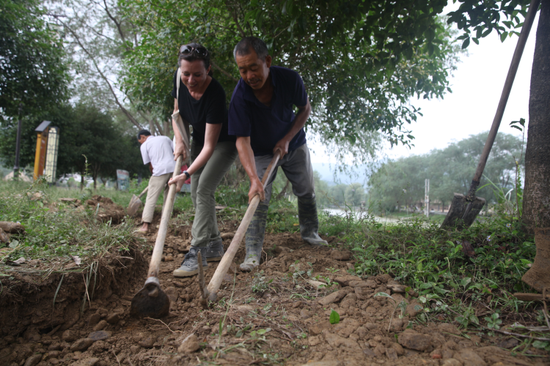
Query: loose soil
277	314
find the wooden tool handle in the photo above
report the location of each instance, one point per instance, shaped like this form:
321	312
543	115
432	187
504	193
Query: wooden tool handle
142	193
531	297
228	257
165	218
179	124
529	18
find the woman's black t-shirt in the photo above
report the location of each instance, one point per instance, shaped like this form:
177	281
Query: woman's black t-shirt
211	108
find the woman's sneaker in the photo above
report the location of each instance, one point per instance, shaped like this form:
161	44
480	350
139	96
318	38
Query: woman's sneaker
190	264
214	251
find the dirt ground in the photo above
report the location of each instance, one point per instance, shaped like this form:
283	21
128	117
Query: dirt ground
278	314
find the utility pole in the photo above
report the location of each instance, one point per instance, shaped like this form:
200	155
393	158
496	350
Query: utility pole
17	145
427	197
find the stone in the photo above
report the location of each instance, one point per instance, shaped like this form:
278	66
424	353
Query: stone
371	283
69	336
391	354
325	363
345	280
147	342
101	325
398	349
337	341
55	347
346	327
414	308
451	362
81	344
448	328
91	361
315	340
508	343
371	326
52	354
379	350
305	314
341	255
369	352
99	335
397	325
333	297
469	357
113	318
33	360
94	319
415	341
189	344
32	335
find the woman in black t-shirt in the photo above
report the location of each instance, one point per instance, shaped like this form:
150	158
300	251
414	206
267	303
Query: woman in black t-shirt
201	103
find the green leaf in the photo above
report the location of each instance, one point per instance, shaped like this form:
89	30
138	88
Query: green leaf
334	317
540	344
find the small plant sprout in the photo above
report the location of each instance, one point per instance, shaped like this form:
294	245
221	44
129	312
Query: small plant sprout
334	317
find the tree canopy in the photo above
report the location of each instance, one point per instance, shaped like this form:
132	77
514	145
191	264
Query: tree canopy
361	61
33	71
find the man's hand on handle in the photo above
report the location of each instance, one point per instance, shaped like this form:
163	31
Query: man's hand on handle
256	188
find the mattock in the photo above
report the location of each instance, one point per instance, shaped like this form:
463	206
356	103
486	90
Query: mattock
211	293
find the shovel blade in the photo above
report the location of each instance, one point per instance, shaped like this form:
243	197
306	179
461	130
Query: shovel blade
150	301
462	213
134	205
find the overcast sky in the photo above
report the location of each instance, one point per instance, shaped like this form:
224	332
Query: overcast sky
477	86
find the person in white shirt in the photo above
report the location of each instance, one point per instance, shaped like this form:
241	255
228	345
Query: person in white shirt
157	151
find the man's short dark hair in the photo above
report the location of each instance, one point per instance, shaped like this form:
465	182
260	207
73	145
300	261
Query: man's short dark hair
143	133
247	44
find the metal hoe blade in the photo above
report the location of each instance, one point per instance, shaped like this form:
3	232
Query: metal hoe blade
150	301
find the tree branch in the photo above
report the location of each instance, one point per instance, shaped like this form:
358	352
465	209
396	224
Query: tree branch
122	108
223	71
236	20
120	32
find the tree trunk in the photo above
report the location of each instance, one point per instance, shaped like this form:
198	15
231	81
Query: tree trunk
536	198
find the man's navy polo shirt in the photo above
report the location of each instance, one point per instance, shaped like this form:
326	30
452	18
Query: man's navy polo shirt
268	125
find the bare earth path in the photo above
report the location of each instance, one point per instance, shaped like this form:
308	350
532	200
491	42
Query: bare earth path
278	314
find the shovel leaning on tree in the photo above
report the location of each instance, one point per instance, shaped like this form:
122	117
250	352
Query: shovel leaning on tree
464	209
151	301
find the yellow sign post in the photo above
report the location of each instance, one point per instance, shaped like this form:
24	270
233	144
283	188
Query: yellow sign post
41	143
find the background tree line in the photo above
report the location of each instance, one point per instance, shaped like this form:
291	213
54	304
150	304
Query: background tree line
400	183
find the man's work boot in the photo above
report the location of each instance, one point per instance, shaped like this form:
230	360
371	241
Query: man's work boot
251	261
309	222
190	264
254	240
538	276
214	251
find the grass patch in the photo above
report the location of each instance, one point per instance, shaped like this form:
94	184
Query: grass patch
430	260
54	229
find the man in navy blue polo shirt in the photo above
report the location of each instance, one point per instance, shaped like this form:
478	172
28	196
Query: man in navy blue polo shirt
261	115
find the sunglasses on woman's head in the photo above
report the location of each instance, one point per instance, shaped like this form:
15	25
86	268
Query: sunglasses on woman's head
201	51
